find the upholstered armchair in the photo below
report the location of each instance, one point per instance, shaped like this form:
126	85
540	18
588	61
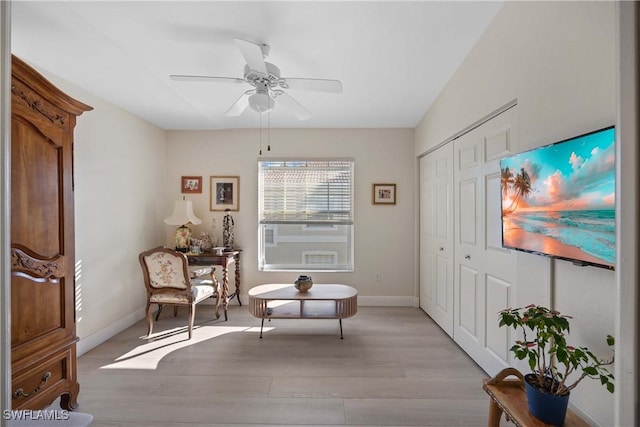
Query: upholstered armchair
170	281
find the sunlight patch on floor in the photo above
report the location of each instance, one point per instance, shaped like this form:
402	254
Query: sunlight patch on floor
161	344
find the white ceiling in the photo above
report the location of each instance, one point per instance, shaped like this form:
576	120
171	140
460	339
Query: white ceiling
393	58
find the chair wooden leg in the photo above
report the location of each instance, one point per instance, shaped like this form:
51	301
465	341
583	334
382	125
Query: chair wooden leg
192	315
149	319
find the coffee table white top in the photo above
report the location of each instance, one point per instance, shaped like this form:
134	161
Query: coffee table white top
289	292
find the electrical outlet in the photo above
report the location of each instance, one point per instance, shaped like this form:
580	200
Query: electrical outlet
377	277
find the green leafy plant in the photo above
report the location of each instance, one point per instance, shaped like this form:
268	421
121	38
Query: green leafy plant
550	358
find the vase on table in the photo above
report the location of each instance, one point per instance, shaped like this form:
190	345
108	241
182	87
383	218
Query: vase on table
304	283
227	230
206	243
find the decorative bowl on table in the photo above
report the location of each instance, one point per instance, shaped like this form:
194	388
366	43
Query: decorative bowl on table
304	283
219	249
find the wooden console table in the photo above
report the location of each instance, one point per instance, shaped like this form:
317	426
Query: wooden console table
225	260
509	396
286	302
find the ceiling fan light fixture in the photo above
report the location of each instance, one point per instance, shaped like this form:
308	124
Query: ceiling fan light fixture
261	102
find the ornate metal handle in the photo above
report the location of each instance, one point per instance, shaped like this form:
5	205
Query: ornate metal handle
20	392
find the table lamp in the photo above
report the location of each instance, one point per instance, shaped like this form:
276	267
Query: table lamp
182	215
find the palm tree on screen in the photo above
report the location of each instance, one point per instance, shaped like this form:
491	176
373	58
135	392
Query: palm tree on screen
520	185
506	181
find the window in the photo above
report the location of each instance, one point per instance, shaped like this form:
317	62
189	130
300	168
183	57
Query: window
305	207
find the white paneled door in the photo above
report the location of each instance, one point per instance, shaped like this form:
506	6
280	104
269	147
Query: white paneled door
484	272
436	236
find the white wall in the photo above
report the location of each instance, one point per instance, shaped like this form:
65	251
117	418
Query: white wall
384	235
558	60
120	200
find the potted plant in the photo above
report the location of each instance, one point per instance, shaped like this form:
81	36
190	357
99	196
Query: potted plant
551	360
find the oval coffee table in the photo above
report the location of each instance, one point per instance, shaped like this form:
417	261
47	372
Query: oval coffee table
279	301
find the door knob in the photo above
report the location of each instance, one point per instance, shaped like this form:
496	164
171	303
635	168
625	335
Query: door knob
441	249
467	257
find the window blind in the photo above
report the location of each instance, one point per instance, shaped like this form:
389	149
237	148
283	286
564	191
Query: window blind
306	191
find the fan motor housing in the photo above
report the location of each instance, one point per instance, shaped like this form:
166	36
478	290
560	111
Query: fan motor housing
255	77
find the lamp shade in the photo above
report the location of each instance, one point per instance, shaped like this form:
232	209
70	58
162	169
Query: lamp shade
182	214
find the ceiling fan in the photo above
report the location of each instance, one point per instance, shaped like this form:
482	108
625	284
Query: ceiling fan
268	86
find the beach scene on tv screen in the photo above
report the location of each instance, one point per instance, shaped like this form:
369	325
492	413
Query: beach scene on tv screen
559	199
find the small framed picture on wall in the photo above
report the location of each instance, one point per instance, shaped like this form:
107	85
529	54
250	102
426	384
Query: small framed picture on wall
191	184
384	194
225	193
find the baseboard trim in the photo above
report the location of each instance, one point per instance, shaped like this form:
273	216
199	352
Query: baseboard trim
386	301
582	414
91	341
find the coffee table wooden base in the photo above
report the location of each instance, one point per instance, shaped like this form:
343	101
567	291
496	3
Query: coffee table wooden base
280	301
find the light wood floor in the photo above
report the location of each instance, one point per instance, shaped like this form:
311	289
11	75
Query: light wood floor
394	367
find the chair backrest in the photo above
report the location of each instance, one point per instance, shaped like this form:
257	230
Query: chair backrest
164	268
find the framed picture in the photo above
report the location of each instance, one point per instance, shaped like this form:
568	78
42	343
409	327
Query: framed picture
191	184
225	193
384	194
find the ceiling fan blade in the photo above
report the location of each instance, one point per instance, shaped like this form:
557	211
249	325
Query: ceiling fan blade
240	105
252	54
188	78
318	85
292	105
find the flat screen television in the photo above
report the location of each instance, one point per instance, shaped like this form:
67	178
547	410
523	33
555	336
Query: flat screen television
559	200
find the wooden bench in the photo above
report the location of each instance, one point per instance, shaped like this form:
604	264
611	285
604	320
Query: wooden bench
508	395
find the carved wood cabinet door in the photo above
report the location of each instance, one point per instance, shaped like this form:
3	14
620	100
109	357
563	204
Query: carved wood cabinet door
43	335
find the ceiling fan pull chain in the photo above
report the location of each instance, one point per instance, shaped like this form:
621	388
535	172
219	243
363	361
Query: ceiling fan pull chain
269	131
260	115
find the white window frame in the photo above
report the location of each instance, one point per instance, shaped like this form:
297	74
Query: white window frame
331	214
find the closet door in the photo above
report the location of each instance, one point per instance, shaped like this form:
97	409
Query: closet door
484	272
436	236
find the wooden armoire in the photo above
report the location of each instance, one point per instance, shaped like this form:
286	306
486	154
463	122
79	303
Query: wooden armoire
43	326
